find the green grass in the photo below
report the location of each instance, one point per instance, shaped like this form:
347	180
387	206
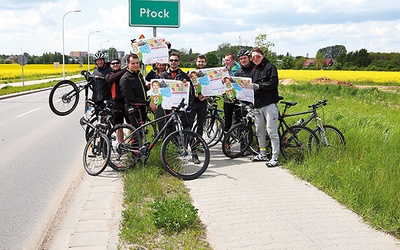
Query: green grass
365	177
158	211
11	90
38	76
7	89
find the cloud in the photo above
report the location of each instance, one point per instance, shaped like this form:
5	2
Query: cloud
295	27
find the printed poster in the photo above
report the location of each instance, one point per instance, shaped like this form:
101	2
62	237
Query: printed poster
208	81
239	88
168	93
150	50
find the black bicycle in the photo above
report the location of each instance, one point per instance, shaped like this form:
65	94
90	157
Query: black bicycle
213	124
296	142
329	136
64	96
178	150
97	151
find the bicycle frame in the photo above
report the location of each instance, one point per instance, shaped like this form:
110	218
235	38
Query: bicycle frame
103	118
147	147
314	115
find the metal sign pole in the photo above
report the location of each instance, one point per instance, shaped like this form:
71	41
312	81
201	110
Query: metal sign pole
23	83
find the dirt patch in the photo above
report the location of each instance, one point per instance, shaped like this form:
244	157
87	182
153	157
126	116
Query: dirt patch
395	89
286	81
325	80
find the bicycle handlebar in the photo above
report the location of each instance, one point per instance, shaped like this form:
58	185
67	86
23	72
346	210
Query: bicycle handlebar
181	105
319	104
87	75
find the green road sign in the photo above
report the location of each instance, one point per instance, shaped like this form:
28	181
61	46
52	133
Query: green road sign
154	13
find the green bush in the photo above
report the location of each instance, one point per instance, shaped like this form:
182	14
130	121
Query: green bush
173	214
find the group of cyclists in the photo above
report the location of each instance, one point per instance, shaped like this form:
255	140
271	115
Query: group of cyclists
126	87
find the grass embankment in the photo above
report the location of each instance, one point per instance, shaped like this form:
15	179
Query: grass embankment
11	89
365	177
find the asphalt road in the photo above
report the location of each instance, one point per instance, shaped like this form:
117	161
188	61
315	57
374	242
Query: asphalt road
40	155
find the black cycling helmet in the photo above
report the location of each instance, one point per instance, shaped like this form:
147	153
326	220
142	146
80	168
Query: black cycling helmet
243	52
98	55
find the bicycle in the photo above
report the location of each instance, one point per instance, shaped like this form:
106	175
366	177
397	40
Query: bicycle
239	138
177	150
213	124
64	96
296	141
97	151
328	135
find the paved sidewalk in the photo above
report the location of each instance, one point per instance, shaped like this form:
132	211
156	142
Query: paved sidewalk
244	205
247	205
93	218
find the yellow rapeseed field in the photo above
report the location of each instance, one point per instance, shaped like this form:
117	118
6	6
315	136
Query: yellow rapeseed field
14	71
8	72
355	77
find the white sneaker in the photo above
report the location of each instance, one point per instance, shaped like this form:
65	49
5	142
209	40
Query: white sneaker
272	163
259	157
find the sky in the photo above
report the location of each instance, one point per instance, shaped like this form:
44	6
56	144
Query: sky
300	28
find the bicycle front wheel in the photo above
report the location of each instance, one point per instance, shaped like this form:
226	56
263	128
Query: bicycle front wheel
333	138
124	144
185	155
96	154
237	140
298	142
64	97
89	130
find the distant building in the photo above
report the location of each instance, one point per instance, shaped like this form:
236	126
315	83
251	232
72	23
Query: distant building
10	59
310	62
78	54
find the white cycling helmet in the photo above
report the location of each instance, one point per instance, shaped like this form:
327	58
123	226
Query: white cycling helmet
98	55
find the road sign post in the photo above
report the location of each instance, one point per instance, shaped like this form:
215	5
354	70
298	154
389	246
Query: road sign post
22	60
154	13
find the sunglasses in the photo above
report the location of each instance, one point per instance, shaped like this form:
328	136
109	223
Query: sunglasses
173	60
115	63
256	57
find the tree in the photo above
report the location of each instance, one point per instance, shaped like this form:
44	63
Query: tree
287	62
261	42
333	52
223	49
299	62
212	59
361	58
319	61
112	53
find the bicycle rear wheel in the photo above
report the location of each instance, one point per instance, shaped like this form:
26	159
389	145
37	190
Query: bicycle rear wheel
123	144
213	130
298	142
237	140
96	154
179	153
64	97
334	139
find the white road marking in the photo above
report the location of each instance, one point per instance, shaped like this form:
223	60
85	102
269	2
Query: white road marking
33	110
